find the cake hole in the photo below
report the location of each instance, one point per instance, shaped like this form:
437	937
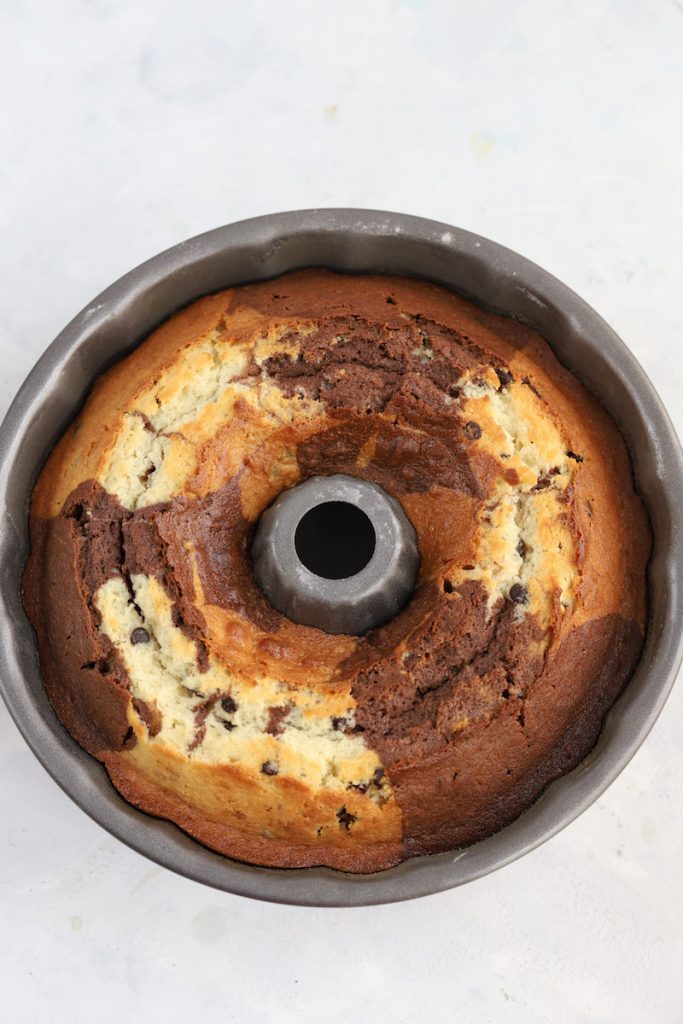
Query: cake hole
335	540
77	512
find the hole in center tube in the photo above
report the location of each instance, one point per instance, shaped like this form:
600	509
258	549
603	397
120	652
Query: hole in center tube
335	540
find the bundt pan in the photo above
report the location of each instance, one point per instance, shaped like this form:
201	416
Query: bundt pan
353	241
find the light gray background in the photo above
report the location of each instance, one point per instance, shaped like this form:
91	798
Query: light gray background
552	127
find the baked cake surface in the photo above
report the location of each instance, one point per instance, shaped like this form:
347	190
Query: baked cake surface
279	744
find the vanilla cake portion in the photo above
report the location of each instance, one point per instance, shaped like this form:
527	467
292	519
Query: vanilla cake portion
276	743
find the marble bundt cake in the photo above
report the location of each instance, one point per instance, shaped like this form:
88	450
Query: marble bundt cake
277	743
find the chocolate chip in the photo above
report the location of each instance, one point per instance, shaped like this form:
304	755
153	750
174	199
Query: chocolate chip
269	768
473	430
345	818
139	636
338	724
504	376
572	455
519	594
360	787
544	481
229	705
505	694
448	587
521	548
378	776
229	726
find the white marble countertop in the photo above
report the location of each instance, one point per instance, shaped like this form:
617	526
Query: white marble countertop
553	128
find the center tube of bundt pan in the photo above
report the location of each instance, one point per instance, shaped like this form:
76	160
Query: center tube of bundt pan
337	553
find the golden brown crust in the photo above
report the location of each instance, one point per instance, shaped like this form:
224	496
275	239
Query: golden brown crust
224	809
272	742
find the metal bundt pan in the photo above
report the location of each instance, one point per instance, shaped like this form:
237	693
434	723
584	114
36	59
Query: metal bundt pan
345	240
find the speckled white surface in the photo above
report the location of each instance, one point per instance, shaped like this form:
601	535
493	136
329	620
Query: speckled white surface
553	127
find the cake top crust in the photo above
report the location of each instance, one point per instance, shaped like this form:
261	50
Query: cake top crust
166	660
